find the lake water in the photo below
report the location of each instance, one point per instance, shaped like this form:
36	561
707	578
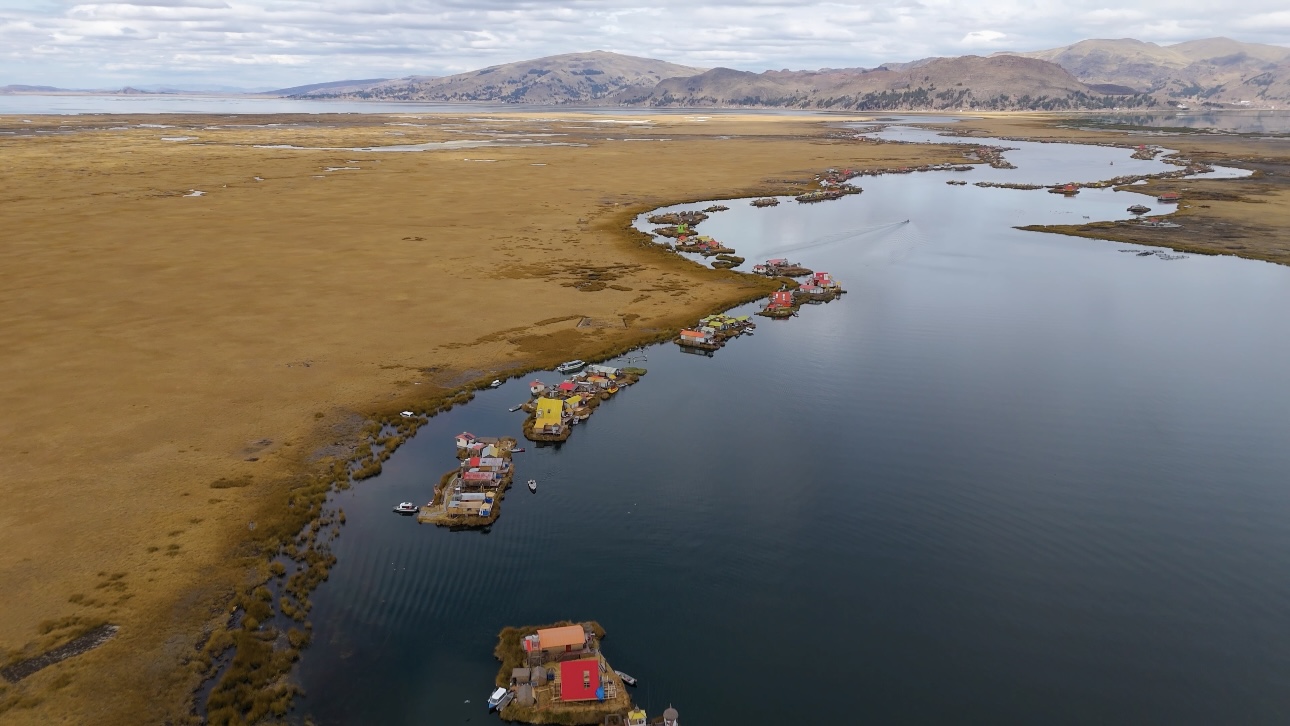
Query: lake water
1008	478
1234	121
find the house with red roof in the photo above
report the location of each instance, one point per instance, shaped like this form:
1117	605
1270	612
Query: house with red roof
580	680
781	299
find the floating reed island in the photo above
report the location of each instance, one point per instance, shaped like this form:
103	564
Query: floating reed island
714	331
701	244
690	218
555	410
849	174
821	288
780	267
469	496
558	674
992	155
765	202
825	195
717	208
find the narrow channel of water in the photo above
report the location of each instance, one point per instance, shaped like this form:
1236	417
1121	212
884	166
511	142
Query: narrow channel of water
1009	478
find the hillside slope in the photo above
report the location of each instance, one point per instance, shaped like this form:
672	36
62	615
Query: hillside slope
999	82
1212	69
558	79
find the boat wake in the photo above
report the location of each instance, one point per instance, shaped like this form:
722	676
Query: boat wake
829	239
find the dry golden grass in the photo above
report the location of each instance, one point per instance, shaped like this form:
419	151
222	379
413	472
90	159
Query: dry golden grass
174	365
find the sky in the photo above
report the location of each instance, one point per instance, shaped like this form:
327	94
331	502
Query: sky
278	43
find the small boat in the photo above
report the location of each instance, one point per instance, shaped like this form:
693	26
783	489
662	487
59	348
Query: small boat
532	485
406	508
518	451
613	389
516	407
499	699
495	384
571	366
626	678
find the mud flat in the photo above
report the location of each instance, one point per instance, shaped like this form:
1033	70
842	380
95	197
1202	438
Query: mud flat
203	368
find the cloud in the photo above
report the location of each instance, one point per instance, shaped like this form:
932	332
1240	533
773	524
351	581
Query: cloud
285	42
983	39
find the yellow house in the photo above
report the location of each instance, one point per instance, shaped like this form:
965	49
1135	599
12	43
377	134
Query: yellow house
572	402
548	412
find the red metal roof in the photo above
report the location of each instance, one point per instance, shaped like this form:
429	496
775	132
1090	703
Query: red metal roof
579	680
567	386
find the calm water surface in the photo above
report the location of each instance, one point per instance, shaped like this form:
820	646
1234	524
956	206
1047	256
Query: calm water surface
1009	478
1243	122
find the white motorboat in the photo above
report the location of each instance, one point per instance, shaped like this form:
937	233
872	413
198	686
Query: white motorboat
571	366
499	699
495	384
533	485
406	508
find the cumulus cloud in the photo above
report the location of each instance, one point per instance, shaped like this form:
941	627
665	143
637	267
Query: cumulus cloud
84	43
983	39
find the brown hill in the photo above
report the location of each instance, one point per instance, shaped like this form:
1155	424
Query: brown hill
1213	69
999	82
557	79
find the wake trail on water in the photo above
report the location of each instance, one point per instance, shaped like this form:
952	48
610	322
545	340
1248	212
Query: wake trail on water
835	237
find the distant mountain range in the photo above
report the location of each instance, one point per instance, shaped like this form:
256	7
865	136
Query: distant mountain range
609	79
1215	70
1090	74
583	78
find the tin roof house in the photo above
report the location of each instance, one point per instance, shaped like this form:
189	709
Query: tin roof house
580	681
781	299
550	415
465	439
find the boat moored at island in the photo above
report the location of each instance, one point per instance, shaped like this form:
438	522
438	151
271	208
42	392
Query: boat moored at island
571	366
406	508
499	699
